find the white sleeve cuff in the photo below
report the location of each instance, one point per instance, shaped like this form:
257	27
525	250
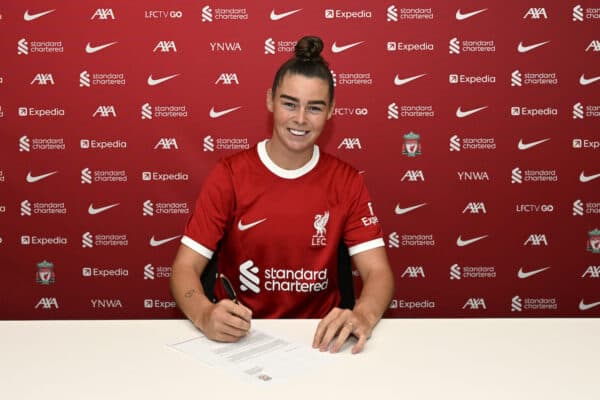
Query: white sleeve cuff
197	247
359	248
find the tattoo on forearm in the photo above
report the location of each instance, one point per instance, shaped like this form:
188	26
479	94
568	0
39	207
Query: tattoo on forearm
189	293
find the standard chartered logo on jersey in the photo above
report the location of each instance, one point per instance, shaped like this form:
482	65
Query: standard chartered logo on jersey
279	279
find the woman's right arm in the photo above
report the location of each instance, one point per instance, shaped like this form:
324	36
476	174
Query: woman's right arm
224	321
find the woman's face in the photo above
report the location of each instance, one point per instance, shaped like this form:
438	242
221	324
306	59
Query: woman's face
300	108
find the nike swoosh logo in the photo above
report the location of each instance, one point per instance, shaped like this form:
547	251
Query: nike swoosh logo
30	17
585	307
583	81
218	114
338	49
583	178
400	82
460	16
525	146
154	82
32	179
243	227
462	114
93	49
401	211
156	243
276	17
462	243
524	49
525	275
93	210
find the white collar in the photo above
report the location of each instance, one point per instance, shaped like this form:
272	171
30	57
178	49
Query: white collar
286	173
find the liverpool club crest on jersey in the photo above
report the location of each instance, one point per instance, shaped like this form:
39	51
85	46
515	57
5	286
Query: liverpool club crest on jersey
320	225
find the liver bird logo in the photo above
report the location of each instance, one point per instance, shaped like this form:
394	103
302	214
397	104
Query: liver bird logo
320	222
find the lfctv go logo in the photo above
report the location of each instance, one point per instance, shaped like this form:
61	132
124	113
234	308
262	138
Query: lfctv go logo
358	111
157	14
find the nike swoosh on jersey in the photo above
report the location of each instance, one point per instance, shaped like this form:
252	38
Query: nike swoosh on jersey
277	16
93	210
524	49
524	275
338	49
462	114
31	17
585	307
525	146
156	243
399	82
401	211
584	82
154	82
460	16
461	243
93	49
586	178
32	179
218	114
245	227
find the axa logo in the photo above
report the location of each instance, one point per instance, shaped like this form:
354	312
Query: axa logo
103	14
350	144
593	271
105	112
536	13
227	78
249	279
475	208
413	175
536	239
43	79
593	46
165	46
47	303
414	272
167	144
475	303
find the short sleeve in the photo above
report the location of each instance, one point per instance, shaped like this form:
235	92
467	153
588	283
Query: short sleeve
363	230
212	213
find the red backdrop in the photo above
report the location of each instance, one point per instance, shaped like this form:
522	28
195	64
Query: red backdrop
476	124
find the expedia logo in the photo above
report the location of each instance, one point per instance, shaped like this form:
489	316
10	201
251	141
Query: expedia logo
249	279
410	47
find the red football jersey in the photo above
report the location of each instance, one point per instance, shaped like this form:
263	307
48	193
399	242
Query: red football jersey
279	230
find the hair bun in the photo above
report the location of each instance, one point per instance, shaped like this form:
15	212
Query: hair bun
309	48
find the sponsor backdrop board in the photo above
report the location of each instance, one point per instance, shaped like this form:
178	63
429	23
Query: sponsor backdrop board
475	124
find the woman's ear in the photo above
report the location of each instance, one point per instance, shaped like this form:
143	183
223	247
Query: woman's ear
270	99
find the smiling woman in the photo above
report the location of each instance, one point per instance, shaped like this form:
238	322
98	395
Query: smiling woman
277	213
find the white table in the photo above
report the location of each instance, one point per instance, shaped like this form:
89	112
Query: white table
405	359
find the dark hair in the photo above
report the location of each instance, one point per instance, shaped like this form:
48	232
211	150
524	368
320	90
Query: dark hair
306	62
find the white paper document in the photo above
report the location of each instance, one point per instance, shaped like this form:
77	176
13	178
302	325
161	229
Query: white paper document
260	357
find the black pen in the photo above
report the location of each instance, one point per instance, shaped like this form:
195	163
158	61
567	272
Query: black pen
228	288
